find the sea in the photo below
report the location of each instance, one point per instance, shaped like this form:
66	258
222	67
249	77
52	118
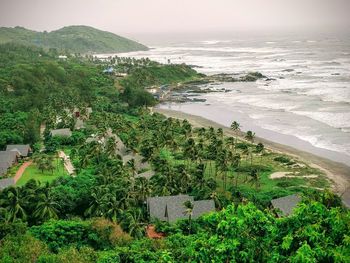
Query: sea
305	103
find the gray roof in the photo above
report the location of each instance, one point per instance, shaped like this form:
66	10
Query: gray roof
202	207
61	132
6	182
23	149
3	168
9	157
147	174
172	208
157	207
286	204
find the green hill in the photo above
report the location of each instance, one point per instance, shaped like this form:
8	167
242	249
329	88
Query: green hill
76	39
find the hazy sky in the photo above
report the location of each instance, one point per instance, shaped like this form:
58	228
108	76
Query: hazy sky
137	17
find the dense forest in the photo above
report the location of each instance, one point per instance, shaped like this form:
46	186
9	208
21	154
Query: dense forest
71	39
100	215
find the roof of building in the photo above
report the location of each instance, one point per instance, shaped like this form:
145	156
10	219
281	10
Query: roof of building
8	157
286	204
61	132
172	208
202	207
23	149
6	182
3	168
157	206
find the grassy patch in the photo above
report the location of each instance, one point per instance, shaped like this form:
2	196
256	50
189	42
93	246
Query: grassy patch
32	172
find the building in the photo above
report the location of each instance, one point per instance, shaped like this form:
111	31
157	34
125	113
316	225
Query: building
23	149
172	208
7	159
61	132
6	183
285	205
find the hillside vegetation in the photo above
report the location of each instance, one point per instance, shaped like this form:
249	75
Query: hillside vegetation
75	39
100	214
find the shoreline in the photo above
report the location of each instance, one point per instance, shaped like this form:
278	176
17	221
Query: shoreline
338	173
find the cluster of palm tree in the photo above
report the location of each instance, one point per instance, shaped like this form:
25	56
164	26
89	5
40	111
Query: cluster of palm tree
185	159
44	162
31	203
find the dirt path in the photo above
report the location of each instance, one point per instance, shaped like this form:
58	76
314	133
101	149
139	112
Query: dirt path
21	170
67	163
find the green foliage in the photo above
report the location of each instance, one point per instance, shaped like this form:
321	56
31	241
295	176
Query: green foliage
21	249
141	77
282	159
74	39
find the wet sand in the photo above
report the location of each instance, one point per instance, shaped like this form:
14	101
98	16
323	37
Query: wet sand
338	173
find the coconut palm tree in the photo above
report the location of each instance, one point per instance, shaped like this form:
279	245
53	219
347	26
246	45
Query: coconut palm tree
260	150
132	222
235	127
14	204
46	207
189	212
250	136
254	178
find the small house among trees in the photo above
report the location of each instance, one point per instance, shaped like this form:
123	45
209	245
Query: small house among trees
285	205
172	208
23	149
7	159
61	132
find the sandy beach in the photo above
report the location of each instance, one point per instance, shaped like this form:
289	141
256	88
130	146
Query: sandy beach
338	173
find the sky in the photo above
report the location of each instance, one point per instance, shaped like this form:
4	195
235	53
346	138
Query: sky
139	17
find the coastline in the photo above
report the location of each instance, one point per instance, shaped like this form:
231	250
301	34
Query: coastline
338	173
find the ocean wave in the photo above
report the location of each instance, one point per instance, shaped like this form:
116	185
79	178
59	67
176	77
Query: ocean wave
213	42
333	94
317	140
334	119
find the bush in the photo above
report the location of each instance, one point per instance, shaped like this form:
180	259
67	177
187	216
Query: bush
282	159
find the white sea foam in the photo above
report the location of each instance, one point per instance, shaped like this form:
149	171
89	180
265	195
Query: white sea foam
309	97
334	119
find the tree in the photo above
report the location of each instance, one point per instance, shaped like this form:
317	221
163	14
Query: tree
132	223
189	212
46	206
250	136
254	178
260	149
15	204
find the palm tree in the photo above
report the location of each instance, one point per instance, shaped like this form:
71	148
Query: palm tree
96	207
14	204
260	149
235	126
254	178
250	136
236	159
189	212
143	189
111	147
132	222
46	207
